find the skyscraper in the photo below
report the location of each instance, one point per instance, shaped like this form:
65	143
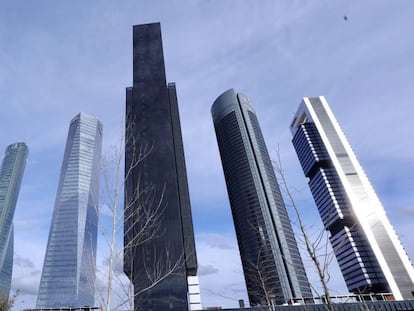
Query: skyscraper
272	265
366	246
158	231
68	276
11	175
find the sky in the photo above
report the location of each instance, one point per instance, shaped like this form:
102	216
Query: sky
58	58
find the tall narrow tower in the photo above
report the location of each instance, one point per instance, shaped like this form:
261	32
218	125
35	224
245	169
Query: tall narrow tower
11	175
158	231
272	265
68	276
366	246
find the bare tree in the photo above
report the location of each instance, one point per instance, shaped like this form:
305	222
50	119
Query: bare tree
317	246
257	272
112	188
141	207
7	303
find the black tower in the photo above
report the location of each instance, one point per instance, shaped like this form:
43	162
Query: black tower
158	231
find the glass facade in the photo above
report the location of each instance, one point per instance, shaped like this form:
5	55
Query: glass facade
272	265
158	231
68	276
365	244
11	175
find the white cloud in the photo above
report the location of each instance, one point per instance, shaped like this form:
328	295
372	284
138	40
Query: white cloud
27	284
216	240
23	262
223	285
206	270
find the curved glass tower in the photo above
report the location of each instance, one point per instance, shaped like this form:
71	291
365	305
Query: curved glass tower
68	276
272	265
11	175
365	244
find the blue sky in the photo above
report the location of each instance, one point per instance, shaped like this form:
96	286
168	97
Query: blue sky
58	58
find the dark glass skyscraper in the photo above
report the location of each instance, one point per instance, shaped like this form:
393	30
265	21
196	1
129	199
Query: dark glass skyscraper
68	276
272	265
366	246
158	231
11	175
